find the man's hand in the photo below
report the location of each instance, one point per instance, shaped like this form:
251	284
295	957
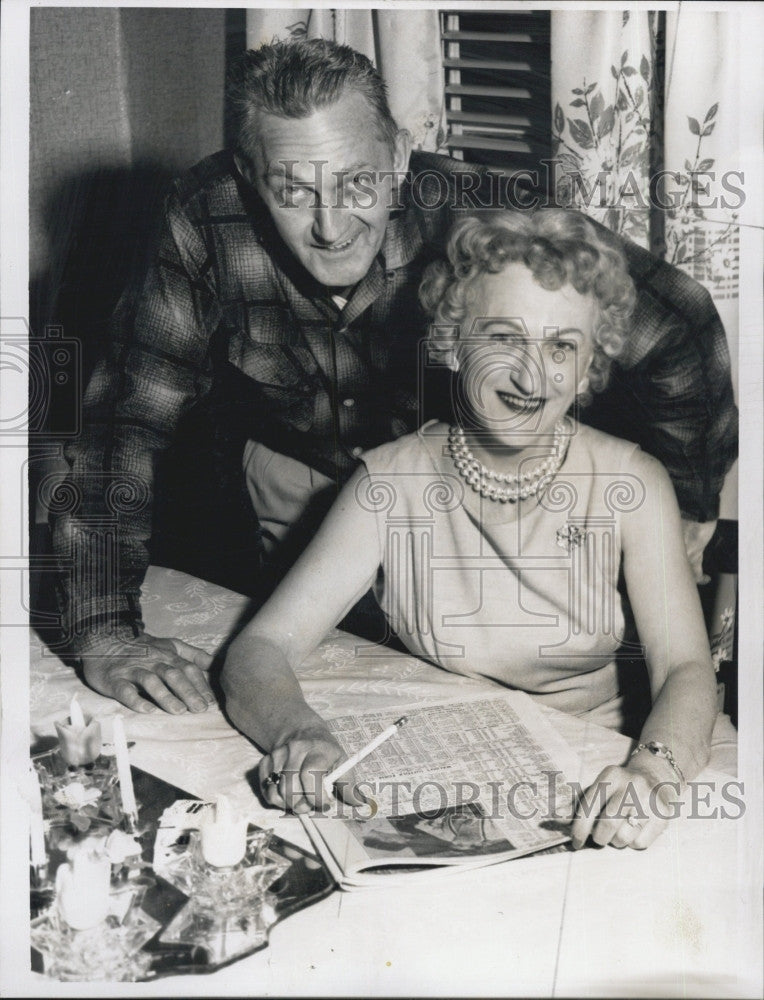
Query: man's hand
697	535
170	671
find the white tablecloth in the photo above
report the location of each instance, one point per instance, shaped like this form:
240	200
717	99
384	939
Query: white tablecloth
674	920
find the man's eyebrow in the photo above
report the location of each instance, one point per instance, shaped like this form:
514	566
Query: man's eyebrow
278	169
354	168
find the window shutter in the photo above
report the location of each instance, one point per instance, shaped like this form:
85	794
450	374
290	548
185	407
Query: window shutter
498	91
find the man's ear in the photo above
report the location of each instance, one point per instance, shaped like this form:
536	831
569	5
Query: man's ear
245	168
402	151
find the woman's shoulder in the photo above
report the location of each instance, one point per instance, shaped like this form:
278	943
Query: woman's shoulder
633	473
608	453
408	453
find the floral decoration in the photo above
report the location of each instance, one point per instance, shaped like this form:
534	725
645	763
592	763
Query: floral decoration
76	796
608	144
683	218
722	641
571	536
602	146
78	801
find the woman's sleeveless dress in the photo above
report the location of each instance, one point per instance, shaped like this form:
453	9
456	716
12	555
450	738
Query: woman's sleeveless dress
525	595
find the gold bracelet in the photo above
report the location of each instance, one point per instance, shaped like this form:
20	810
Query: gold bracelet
661	750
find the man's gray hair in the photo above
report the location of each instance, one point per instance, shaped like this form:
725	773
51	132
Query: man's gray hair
294	79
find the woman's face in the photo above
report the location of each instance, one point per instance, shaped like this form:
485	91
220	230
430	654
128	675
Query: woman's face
523	355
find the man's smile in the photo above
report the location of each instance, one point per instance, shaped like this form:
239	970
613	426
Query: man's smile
338	247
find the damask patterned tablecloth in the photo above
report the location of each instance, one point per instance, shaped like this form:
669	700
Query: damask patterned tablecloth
600	922
202	753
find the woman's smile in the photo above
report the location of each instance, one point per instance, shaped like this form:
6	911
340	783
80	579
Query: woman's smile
520	404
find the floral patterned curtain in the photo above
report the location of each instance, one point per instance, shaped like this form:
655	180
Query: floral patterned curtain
604	109
645	127
646	135
403	45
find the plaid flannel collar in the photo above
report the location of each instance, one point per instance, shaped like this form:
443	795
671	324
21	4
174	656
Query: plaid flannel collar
403	238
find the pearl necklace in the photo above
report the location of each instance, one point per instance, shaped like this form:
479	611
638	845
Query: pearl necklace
484	480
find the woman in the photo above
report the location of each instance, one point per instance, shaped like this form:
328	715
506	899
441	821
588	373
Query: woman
496	545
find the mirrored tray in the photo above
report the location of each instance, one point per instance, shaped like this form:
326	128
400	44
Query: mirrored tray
177	917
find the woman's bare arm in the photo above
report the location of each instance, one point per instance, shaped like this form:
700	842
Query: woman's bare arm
263	696
670	624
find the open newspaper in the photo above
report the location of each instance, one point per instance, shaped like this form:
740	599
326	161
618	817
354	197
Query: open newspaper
462	785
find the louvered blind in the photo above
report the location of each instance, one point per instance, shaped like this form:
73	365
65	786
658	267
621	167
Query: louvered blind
497	68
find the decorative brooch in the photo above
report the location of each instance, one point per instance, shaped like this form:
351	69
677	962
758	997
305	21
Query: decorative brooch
571	536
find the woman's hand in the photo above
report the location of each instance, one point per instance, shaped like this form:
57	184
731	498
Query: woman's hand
292	774
626	806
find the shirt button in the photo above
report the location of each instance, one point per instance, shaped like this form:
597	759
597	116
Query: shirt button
348	402
357	452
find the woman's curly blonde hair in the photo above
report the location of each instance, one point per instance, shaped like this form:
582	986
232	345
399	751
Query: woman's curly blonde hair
559	247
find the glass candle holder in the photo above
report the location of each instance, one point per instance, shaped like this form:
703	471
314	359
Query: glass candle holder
77	803
230	910
109	952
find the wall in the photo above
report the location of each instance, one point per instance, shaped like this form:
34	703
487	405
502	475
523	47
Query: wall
121	99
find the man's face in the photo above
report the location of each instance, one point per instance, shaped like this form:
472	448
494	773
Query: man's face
327	181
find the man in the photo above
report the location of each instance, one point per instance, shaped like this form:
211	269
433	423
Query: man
288	269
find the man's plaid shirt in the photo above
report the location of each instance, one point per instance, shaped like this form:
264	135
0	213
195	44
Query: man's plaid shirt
222	294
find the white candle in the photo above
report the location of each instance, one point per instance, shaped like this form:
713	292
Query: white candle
80	741
36	824
76	718
224	835
83	889
129	806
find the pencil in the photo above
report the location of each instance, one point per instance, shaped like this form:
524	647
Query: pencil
357	757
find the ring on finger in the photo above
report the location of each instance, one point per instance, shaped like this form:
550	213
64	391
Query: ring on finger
274	778
634	821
